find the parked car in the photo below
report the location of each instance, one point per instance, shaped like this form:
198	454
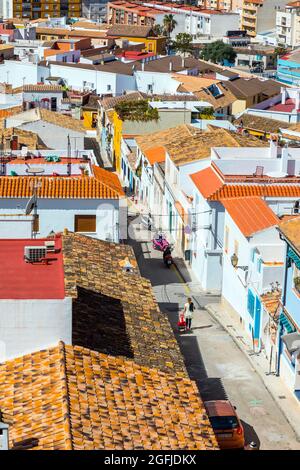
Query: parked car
226	424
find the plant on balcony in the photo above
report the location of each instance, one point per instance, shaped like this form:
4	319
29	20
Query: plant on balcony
136	110
297	283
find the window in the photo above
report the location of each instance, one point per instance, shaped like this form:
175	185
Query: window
226	239
253	251
108	87
250	303
296	207
85	223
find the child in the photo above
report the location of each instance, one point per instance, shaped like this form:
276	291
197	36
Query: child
188	313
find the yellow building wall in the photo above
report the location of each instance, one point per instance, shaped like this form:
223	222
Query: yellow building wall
88	119
156	45
118	126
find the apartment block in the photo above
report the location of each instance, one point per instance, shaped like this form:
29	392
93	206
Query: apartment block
288	25
33	9
227	5
260	15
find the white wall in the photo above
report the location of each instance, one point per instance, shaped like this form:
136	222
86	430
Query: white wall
30	325
17	71
161	83
102	82
57	214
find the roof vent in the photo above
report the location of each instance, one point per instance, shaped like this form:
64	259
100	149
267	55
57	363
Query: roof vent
34	254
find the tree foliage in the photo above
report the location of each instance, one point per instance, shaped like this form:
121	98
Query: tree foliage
217	52
136	110
183	43
280	51
169	24
158	30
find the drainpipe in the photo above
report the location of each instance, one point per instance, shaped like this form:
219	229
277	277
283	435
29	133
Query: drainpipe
283	300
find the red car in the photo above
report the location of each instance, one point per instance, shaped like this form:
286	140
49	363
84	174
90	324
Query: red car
226	424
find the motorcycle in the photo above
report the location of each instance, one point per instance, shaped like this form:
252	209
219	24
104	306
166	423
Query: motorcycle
160	243
167	257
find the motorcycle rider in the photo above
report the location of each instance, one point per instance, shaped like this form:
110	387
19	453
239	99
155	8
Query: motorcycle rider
166	253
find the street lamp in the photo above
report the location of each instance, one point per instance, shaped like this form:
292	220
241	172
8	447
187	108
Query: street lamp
234	261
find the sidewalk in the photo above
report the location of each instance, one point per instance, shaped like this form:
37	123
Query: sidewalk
285	400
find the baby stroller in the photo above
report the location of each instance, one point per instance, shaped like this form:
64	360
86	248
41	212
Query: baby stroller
181	323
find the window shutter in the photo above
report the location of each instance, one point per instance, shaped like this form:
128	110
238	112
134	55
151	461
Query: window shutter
85	223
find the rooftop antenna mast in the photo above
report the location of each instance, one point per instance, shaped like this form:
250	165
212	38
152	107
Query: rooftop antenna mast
2	157
69	157
32	204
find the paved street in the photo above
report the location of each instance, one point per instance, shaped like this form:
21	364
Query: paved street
213	359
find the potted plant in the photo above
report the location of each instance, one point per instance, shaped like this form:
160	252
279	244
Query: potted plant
297	283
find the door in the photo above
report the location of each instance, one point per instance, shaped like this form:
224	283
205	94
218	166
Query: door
85	223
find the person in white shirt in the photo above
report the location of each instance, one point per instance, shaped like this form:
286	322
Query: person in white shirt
188	313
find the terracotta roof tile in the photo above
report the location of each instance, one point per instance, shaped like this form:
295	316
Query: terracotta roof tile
155	155
70	397
212	187
104	185
207	181
135	327
291	231
251	214
61	120
186	143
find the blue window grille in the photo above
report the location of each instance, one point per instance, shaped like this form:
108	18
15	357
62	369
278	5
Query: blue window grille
251	303
253	255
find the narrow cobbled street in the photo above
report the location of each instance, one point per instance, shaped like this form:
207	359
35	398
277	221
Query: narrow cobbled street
213	360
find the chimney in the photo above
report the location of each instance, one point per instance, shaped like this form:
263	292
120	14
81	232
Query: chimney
170	66
182	62
283	95
143	66
273	149
284	159
3	436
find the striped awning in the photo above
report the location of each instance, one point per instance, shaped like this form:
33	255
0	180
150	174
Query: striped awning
284	321
294	257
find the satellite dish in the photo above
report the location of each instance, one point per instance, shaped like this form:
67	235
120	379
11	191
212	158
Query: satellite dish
30	205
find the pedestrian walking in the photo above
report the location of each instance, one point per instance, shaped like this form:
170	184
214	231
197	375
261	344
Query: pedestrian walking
188	313
149	222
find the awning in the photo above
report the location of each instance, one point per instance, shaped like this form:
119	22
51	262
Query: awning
289	327
292	342
294	257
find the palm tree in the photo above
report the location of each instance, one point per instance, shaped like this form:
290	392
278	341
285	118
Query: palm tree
169	23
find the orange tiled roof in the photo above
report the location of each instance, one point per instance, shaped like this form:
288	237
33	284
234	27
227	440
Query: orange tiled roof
251	214
212	187
81	187
72	398
207	181
155	154
246	190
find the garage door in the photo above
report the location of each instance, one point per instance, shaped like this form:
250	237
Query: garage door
85	223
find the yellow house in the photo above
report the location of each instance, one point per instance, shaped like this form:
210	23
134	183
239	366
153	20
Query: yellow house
139	34
118	126
89	113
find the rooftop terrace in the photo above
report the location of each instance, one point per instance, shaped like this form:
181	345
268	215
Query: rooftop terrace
23	280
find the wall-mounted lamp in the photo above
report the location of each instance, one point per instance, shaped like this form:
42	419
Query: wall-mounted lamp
234	261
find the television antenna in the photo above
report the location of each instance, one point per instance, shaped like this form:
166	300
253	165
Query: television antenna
32	205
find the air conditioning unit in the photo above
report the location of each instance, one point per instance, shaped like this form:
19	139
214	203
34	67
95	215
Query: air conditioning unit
34	254
50	246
